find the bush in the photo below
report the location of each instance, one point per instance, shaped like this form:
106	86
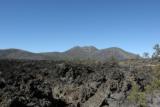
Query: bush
137	96
155	85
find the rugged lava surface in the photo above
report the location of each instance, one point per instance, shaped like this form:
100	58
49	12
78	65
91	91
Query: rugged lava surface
69	84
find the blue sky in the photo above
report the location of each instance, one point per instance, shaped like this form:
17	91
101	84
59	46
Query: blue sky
57	25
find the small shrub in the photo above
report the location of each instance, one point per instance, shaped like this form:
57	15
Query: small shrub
137	96
155	84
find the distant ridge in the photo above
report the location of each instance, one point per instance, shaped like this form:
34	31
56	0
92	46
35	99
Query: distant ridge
19	54
77	52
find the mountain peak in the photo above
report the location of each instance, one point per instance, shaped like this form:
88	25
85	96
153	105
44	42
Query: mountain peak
83	49
77	52
89	47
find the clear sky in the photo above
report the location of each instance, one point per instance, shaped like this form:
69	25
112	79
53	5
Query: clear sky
57	25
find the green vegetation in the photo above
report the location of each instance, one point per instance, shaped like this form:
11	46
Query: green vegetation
145	55
137	96
156	54
155	85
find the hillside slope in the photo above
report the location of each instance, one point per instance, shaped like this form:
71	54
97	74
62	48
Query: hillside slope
19	54
75	53
90	52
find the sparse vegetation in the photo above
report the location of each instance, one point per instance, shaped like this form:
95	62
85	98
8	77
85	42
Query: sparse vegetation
79	82
137	96
140	96
156	54
145	55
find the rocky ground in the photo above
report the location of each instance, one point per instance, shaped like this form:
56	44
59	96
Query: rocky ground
69	84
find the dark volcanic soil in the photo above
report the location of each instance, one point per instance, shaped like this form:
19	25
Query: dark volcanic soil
68	84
